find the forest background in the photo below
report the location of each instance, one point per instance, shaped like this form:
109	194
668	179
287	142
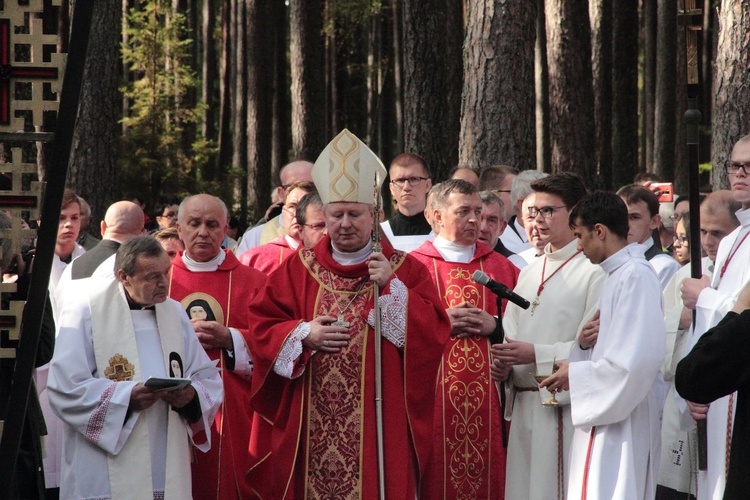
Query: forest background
184	96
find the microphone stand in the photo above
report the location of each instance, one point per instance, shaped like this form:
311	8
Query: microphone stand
497	337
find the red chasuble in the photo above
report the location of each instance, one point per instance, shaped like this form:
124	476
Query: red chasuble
468	455
222	295
314	435
267	258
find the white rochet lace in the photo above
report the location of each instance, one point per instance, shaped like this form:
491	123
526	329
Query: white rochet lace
392	313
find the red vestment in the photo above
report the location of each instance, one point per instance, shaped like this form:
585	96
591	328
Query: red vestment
227	292
314	435
468	455
266	258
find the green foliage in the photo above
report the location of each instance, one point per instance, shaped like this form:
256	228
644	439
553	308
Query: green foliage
345	16
155	157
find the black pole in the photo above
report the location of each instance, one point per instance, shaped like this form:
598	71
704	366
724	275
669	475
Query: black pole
47	235
498	337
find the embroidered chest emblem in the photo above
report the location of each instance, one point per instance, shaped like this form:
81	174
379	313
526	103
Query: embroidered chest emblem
119	369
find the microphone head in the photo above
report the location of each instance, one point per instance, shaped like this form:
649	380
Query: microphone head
480	277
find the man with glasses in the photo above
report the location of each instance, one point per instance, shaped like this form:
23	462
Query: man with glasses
410	182
514	237
266	258
563	287
712	299
265	233
311	219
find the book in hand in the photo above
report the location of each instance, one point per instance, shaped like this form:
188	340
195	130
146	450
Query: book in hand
167	384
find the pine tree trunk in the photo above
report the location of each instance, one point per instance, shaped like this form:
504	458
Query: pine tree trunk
649	84
306	53
665	101
227	77
571	93
624	130
239	111
731	116
208	91
680	156
94	151
541	87
398	64
600	12
259	105
281	121
497	111
432	80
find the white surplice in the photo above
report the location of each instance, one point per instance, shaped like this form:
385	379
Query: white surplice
678	442
569	300
95	408
616	388
712	305
53	439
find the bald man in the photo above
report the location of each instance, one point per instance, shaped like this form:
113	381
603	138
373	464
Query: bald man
290	173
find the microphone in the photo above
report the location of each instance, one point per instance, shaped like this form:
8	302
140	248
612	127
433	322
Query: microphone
499	289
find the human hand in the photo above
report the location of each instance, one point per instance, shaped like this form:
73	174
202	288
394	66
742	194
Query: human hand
589	332
142	397
212	334
697	410
466	321
179	398
380	269
558	381
326	337
499	371
514	352
691	288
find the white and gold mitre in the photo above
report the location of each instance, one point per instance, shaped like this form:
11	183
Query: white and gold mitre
346	170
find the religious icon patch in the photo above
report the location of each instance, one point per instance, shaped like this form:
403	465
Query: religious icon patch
119	369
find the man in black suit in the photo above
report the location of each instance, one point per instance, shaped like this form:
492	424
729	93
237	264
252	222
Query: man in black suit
123	221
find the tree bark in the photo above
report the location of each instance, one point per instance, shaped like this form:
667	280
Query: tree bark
281	122
259	105
731	117
571	93
497	105
94	152
624	130
649	84
227	77
665	101
208	90
397	89
306	53
541	85
239	111
600	12
432	81
680	156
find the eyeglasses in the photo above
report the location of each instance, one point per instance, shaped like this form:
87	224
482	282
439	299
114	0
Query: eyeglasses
546	212
316	227
679	241
171	215
413	181
732	167
501	190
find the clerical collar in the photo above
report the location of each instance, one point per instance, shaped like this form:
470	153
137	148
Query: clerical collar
293	244
351	258
203	267
409	225
453	252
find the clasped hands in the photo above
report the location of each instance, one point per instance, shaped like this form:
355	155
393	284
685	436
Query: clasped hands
142	397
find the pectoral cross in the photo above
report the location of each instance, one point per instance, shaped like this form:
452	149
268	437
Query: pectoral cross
340	322
534	304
